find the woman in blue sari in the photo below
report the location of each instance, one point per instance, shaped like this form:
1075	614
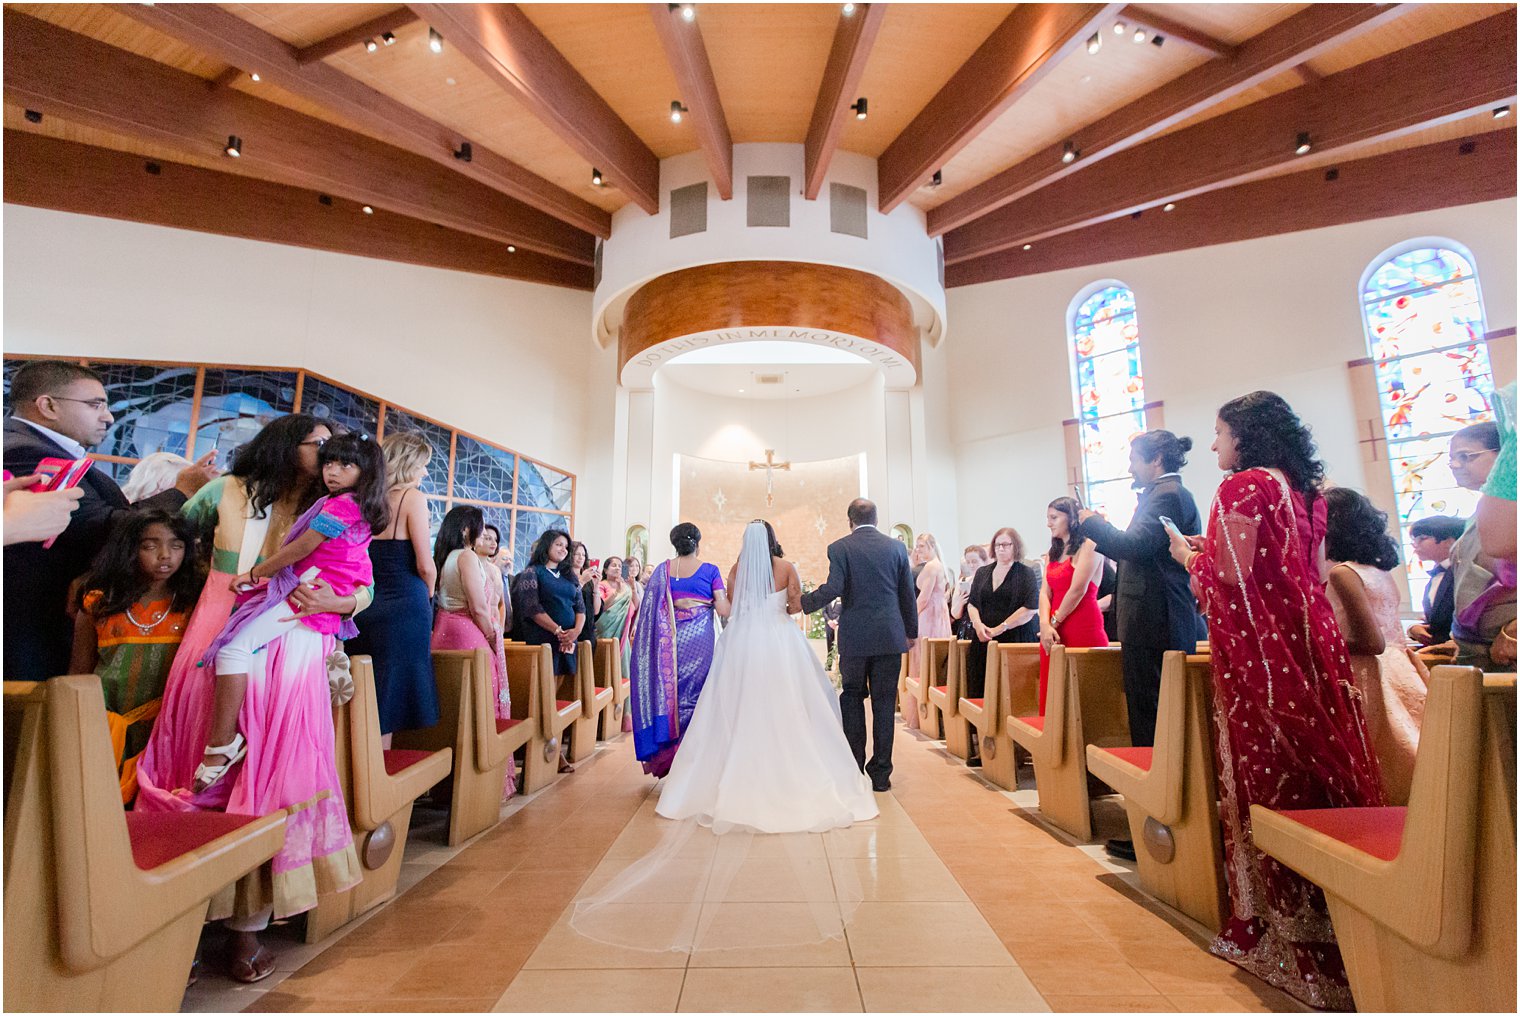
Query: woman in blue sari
673	641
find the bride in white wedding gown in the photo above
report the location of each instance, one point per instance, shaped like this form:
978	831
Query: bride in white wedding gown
765	751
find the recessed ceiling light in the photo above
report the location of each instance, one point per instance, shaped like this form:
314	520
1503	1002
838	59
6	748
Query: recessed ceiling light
1120	28
1029	246
848	9
1169	206
511	248
1140	35
254	76
1302	144
371	45
369	210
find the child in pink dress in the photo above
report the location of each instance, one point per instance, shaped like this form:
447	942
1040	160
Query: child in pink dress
330	542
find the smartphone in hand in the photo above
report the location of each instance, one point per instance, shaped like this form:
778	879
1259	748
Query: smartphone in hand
1170	526
1076	495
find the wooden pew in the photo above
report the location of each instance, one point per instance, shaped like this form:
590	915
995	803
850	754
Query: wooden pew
611	688
582	736
1171	794
103	908
1423	897
913	692
1012	688
1084	705
942	680
380	787
482	744
530	669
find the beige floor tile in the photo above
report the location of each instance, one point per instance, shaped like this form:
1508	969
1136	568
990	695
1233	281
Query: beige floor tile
824	989
642	837
345	971
1109	1003
923	934
675	880
593	991
616	927
948	989
866	840
798	846
770	935
1222	1003
447	970
1084	974
895	880
770	880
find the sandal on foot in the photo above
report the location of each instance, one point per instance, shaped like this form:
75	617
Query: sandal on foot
252	970
566	767
206	776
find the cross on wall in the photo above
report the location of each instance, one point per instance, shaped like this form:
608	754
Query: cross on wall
770	465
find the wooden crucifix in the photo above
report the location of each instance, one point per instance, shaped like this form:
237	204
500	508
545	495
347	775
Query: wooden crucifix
770	465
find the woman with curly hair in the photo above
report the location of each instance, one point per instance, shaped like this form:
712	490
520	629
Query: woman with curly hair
1365	596
1289	728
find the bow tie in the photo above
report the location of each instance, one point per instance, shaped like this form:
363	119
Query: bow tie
1438	571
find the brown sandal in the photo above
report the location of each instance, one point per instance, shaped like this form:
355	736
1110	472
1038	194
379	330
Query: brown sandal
565	767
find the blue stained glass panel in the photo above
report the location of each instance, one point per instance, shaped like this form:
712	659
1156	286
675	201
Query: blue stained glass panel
437	509
542	487
236	404
528	527
333	404
152	410
437	479
482	472
1105	322
1105	337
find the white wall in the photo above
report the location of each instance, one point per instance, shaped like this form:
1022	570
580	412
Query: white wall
1279	313
510	361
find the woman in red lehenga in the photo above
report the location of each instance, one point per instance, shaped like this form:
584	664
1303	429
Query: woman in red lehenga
1069	611
1289	730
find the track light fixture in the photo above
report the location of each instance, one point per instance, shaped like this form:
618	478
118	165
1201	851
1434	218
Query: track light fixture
153	168
371	45
1069	153
859	107
1302	145
389	38
1120	28
435	40
1158	40
254	76
596	178
937	179
465	152
848	9
1500	112
325	199
1094	42
688	11
33	116
676	109
1141	35
234	146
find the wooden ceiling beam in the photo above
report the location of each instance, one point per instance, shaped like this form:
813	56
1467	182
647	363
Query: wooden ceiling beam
1140	17
1019	52
687	56
65	176
209	29
371	29
502	42
1398	183
853	40
1278	49
1442	79
80	80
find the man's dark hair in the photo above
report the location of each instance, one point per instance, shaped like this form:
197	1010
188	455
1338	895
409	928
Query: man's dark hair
36	378
861	513
1439	527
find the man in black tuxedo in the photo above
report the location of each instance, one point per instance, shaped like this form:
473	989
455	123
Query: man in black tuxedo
60	410
1157	609
878	622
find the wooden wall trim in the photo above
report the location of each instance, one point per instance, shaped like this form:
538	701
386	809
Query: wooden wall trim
768	294
65	176
1412	180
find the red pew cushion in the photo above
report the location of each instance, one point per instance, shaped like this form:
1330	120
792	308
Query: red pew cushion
1140	758
1037	722
976	701
564	704
158	837
400	759
1375	831
502	726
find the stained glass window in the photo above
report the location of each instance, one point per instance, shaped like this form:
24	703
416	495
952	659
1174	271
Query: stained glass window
1425	331
529	526
1110	394
543	487
332	404
437	479
236	404
482	472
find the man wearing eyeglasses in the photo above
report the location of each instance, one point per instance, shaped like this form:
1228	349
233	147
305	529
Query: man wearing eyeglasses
59	410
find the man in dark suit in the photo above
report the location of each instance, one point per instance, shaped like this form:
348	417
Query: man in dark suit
1433	539
60	410
1156	606
878	622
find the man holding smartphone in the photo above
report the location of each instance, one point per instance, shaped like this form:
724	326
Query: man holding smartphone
1157	610
59	411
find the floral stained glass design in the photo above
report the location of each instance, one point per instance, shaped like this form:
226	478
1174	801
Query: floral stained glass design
1110	386
1425	331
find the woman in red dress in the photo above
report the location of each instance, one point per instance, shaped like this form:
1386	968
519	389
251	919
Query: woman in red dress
1289	730
1069	611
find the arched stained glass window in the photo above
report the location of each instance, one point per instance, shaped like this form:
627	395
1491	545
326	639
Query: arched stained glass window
1425	330
1110	393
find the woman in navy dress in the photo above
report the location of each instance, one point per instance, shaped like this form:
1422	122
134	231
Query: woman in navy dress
549	608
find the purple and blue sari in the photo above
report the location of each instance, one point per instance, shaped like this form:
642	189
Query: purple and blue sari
673	639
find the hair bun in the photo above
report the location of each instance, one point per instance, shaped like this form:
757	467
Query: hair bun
1186	443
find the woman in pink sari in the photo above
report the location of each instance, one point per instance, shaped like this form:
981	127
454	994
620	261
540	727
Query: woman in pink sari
1289	729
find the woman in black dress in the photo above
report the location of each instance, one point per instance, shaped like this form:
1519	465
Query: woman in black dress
397	629
550	610
1004	605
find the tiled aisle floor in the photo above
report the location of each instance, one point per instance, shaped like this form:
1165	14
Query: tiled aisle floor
955	899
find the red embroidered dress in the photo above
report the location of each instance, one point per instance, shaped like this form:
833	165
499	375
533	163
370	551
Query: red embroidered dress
1289	732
